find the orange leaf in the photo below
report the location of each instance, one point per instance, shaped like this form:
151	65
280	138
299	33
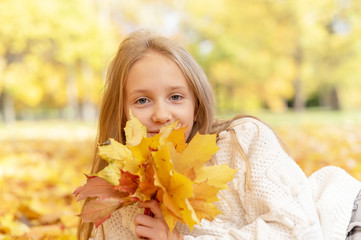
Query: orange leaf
97	187
99	210
146	185
177	137
128	182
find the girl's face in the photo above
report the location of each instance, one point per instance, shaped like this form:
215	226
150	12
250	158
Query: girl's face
157	93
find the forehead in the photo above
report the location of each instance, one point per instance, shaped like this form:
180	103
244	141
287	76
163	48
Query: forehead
153	56
155	68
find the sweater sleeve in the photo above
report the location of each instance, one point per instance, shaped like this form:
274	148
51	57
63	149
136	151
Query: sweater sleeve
334	192
278	204
119	226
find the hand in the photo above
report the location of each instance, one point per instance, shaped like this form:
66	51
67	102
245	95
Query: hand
153	228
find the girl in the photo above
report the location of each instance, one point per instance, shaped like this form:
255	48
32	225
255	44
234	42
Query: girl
269	197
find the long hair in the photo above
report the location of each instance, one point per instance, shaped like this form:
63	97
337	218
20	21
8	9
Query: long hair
112	118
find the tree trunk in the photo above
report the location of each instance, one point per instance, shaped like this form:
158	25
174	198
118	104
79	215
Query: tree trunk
334	99
230	96
7	107
72	108
88	108
299	99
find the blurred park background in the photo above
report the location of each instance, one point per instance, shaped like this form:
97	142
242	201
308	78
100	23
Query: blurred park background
293	63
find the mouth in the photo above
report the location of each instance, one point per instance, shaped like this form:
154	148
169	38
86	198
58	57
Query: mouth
152	133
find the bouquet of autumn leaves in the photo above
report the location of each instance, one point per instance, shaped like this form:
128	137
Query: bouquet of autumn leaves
161	167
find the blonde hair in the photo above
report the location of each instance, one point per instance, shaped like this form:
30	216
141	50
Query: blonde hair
225	125
112	116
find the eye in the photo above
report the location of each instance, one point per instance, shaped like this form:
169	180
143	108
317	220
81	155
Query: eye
176	97
142	101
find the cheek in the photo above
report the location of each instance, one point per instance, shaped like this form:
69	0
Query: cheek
129	110
126	110
142	116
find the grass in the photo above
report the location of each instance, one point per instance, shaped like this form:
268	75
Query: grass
56	128
308	117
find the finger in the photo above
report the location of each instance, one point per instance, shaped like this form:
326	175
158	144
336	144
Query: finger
157	232
146	204
144	220
154	207
142	231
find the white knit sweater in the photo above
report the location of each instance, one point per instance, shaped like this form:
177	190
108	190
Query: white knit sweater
282	202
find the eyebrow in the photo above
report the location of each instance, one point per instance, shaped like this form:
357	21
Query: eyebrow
145	90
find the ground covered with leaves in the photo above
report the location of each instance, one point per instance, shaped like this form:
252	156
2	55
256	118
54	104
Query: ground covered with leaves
41	164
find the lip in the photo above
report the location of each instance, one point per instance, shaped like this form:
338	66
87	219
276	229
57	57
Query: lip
152	133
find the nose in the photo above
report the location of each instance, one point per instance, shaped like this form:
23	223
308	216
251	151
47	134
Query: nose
161	114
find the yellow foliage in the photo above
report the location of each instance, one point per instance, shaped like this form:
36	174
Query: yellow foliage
178	174
47	159
315	146
39	169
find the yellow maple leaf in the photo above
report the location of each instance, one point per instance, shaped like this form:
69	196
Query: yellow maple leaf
202	202
175	188
142	151
166	130
190	215
134	130
217	175
111	173
204	191
169	217
204	209
113	151
169	170
147	189
197	153
177	137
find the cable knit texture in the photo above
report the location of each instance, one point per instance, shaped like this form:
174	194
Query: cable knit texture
281	203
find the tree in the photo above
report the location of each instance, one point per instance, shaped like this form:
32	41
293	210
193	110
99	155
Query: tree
276	51
47	43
